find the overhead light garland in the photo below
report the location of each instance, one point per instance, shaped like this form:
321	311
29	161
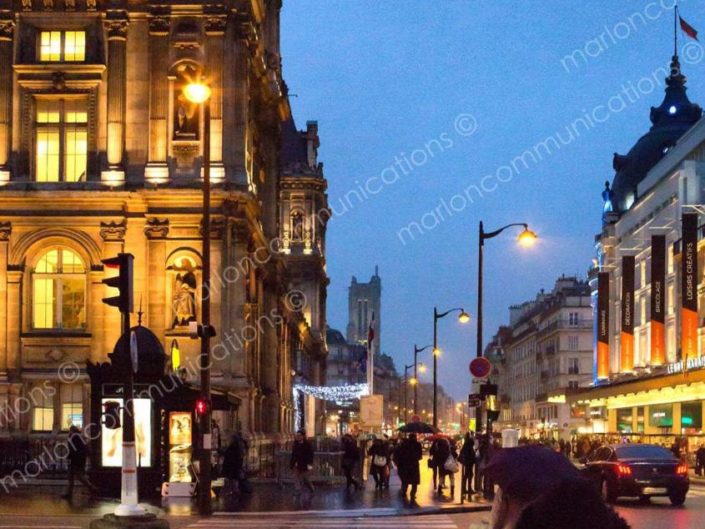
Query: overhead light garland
337	394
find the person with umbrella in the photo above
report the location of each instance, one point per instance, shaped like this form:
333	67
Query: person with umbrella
407	457
522	475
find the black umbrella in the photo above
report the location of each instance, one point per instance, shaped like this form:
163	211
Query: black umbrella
418	427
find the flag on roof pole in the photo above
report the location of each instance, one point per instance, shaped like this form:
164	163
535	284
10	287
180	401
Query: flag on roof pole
371	355
688	29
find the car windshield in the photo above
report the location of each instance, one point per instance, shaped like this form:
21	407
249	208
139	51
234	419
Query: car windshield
643	452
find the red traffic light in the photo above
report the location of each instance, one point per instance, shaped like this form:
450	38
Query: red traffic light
201	407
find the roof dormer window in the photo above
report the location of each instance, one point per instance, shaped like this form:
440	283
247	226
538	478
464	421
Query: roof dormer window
62	46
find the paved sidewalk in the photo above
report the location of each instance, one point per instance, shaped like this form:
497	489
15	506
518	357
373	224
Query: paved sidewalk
266	497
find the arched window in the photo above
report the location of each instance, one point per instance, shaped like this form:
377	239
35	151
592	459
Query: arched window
59	291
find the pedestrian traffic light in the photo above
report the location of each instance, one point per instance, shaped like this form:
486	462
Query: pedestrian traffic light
123	282
111	415
492	416
201	407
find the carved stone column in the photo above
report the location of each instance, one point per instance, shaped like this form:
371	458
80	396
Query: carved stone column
157	170
14	284
156	231
215	40
5	230
116	26
7	25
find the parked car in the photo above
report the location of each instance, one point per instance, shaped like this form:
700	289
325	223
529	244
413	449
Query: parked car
637	470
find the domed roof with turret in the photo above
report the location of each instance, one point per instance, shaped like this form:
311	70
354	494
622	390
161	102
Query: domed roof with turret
670	121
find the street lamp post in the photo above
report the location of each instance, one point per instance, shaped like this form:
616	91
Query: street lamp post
417	350
199	93
463	317
414	381
526	238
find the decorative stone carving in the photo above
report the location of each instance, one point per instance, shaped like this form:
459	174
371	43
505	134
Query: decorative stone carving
70	5
113	231
5	231
159	25
55	355
215	24
117	27
157	228
7	26
58	81
48	4
90	5
26	5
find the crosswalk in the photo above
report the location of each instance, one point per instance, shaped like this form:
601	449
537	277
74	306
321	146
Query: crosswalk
298	520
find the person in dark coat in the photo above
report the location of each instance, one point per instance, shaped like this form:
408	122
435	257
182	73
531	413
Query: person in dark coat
407	457
78	454
301	462
700	460
351	455
467	459
234	465
439	453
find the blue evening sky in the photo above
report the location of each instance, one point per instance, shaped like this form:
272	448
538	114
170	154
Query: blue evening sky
388	80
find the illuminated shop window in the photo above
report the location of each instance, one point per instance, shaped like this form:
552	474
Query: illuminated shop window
62	46
61	140
59	291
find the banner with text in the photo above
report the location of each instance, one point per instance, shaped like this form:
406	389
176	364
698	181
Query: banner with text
603	325
626	337
658	300
689	291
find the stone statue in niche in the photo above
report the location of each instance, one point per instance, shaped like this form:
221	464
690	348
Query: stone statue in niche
186	114
184	293
297	226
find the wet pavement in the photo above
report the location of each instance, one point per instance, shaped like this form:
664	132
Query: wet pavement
266	497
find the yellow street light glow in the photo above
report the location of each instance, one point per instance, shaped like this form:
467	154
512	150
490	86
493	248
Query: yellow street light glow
464	317
436	352
527	238
422	367
197	92
413	381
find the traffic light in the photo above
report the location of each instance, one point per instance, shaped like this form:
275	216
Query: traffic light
492	415
201	407
123	282
111	415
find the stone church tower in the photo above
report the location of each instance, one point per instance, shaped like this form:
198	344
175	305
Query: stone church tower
101	153
364	301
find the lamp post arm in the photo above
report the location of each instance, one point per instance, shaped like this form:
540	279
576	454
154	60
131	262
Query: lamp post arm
488	235
439	315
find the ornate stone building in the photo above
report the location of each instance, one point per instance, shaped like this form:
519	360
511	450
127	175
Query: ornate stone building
100	153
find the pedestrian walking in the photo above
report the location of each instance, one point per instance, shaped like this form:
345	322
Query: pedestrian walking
389	449
467	459
378	467
440	454
301	462
700	460
351	455
234	466
77	456
407	457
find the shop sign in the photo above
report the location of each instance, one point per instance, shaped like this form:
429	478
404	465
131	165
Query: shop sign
692	363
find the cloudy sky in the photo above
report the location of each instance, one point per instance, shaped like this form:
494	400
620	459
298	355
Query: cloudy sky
435	115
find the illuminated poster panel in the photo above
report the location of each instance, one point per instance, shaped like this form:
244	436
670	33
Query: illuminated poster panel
111	440
689	295
603	325
180	446
626	341
658	300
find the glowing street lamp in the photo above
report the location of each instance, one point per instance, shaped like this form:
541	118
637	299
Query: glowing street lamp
199	93
527	238
463	317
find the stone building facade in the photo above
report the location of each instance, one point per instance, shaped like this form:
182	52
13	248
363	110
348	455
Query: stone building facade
100	153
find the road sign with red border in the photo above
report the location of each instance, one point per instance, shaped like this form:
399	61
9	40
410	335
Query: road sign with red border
480	367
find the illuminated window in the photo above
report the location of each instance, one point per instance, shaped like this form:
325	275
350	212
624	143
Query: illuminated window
71	406
62	46
43	412
59	291
61	140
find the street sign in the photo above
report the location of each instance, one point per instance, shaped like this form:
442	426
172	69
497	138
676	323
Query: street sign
480	367
475	400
